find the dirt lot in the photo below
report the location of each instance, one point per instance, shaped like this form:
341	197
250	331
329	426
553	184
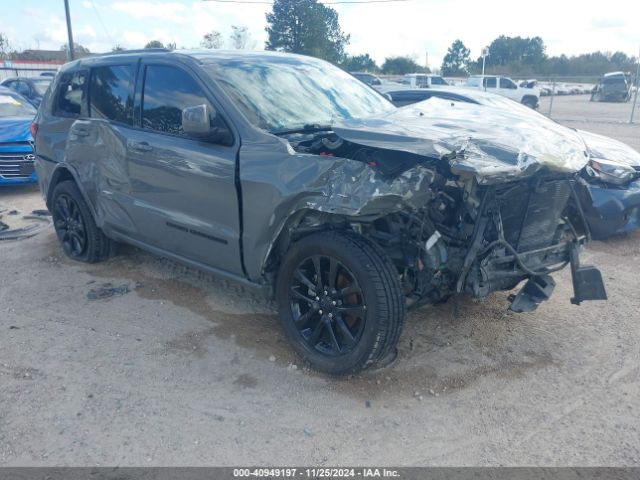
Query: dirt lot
179	368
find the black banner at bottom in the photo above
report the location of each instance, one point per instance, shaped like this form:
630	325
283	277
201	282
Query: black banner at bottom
304	473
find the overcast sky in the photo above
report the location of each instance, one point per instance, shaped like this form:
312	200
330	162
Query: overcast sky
412	27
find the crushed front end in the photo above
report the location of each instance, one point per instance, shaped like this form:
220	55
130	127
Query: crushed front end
463	201
477	239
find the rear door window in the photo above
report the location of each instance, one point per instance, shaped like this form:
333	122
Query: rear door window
490	82
71	95
111	93
23	88
507	83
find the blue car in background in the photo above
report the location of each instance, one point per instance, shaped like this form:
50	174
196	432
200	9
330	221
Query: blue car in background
16	142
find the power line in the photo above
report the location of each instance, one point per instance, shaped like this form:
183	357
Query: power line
339	2
100	20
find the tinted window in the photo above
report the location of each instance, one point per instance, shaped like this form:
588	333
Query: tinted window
71	94
111	93
614	80
41	85
22	88
168	90
438	81
508	83
490	82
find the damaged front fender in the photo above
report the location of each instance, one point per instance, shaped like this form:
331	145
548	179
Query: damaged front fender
277	188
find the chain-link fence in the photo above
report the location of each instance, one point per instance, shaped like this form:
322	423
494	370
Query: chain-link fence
33	70
589	99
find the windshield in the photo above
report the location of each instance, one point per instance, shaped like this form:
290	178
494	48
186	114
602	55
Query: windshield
41	85
618	80
282	93
11	106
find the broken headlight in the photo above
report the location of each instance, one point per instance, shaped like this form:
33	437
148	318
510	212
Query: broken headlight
610	172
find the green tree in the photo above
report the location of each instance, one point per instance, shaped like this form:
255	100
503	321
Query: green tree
239	37
359	63
154	44
402	65
5	47
77	48
456	61
212	40
306	27
511	50
117	48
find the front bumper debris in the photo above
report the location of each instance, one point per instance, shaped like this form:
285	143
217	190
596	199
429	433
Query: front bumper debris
612	210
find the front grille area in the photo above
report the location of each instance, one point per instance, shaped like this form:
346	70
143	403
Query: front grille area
14	164
530	214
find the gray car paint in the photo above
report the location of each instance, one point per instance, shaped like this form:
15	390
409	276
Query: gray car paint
275	182
494	145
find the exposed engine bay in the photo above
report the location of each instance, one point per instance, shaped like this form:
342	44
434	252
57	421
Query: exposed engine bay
465	237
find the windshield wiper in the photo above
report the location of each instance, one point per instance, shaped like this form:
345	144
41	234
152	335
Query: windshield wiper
308	128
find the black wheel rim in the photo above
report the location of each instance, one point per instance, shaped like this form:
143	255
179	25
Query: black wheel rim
327	305
70	226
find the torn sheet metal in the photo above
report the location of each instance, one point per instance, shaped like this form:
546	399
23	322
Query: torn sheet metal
601	147
354	188
493	144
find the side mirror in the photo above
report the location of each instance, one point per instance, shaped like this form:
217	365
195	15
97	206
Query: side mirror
196	120
202	122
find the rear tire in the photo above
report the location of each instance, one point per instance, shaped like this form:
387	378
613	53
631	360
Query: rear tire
340	302
80	237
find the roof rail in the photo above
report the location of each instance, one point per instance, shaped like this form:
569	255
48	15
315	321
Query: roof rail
141	50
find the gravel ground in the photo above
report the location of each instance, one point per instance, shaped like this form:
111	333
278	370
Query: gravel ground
180	368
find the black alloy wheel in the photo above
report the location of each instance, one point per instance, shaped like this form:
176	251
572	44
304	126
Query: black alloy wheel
327	305
70	226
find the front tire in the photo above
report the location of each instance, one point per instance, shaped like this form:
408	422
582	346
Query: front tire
80	237
340	302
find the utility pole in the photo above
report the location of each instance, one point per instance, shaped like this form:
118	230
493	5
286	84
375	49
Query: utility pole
485	53
70	53
635	95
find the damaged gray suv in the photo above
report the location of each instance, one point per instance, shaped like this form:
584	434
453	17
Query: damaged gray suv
285	173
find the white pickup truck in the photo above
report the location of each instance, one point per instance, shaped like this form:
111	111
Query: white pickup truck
506	87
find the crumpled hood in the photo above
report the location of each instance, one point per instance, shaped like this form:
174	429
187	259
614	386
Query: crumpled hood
599	146
15	129
493	144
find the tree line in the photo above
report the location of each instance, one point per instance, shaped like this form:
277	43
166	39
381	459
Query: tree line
309	27
522	57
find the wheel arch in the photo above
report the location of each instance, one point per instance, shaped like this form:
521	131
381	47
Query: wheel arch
294	229
65	172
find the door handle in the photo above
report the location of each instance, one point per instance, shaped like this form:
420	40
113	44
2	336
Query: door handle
140	146
80	132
